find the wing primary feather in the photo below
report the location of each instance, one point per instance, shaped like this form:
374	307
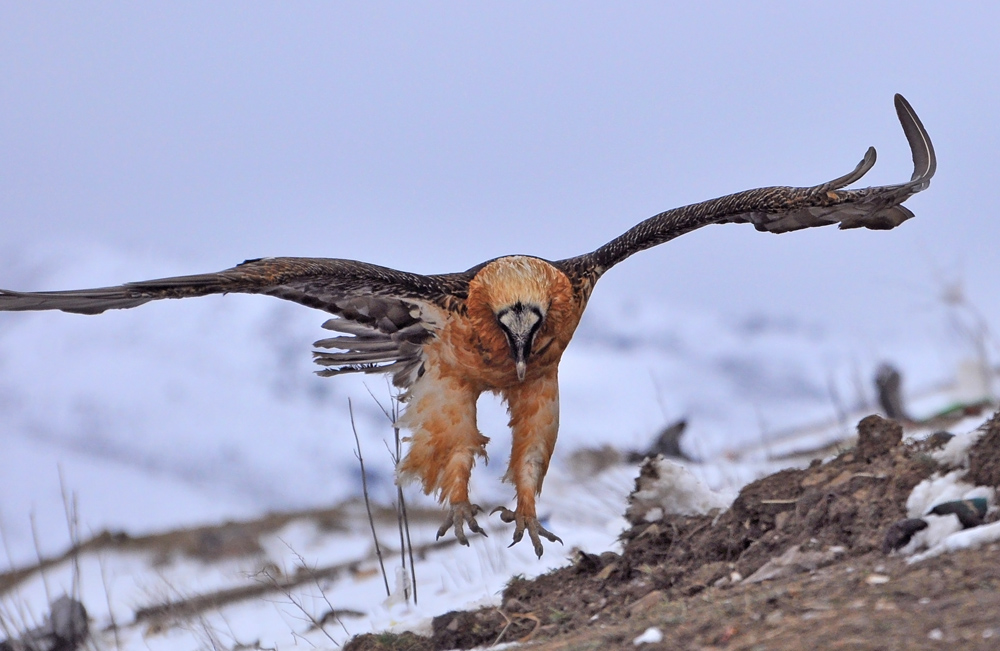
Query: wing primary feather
357	344
778	209
337	359
924	159
88	301
866	164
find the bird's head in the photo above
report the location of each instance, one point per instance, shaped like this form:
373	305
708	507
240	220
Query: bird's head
519	305
520	322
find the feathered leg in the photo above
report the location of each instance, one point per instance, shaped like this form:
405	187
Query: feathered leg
444	446
534	423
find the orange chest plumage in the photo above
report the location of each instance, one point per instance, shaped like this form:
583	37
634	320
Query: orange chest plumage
473	346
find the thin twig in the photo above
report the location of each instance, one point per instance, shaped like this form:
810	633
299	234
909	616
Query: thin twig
73	525
5	544
288	595
377	402
400	517
187	607
504	630
38	554
315	578
402	520
368	505
402	500
107	595
402	540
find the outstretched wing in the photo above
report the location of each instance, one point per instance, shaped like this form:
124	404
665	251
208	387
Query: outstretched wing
383	316
779	209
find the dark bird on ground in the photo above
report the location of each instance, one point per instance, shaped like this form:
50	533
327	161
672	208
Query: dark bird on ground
501	326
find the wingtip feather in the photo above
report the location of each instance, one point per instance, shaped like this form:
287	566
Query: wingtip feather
921	148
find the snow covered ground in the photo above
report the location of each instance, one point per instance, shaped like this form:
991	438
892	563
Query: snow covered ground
184	413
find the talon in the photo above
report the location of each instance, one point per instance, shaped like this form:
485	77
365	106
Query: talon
548	534
506	514
446	524
475	528
459	515
460	534
535	530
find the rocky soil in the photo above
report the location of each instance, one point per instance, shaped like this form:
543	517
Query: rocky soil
802	559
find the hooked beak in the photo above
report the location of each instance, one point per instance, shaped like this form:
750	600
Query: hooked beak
520	323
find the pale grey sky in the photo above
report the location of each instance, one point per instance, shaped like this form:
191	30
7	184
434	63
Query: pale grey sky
431	136
141	139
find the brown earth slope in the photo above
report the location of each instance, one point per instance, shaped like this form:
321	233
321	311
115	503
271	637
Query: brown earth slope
700	581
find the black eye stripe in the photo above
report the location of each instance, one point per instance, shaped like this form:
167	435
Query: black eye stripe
520	311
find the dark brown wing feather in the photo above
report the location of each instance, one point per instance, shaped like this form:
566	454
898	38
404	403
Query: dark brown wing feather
386	314
778	209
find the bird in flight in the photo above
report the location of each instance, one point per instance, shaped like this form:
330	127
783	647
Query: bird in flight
501	326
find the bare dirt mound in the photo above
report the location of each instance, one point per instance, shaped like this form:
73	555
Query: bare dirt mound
796	562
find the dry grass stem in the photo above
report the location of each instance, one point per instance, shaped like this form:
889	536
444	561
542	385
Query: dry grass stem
368	504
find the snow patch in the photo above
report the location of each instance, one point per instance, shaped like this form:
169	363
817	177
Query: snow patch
938	528
956	452
966	539
938	488
944	533
668	488
651	635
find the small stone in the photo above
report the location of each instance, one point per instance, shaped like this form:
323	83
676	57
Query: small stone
900	533
938	439
877	436
651	635
936	634
876	579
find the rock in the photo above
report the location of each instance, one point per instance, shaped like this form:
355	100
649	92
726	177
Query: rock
900	533
65	629
877	436
646	603
793	561
970	512
939	439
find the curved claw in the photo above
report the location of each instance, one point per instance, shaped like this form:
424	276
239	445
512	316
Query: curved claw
532	525
460	514
505	514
